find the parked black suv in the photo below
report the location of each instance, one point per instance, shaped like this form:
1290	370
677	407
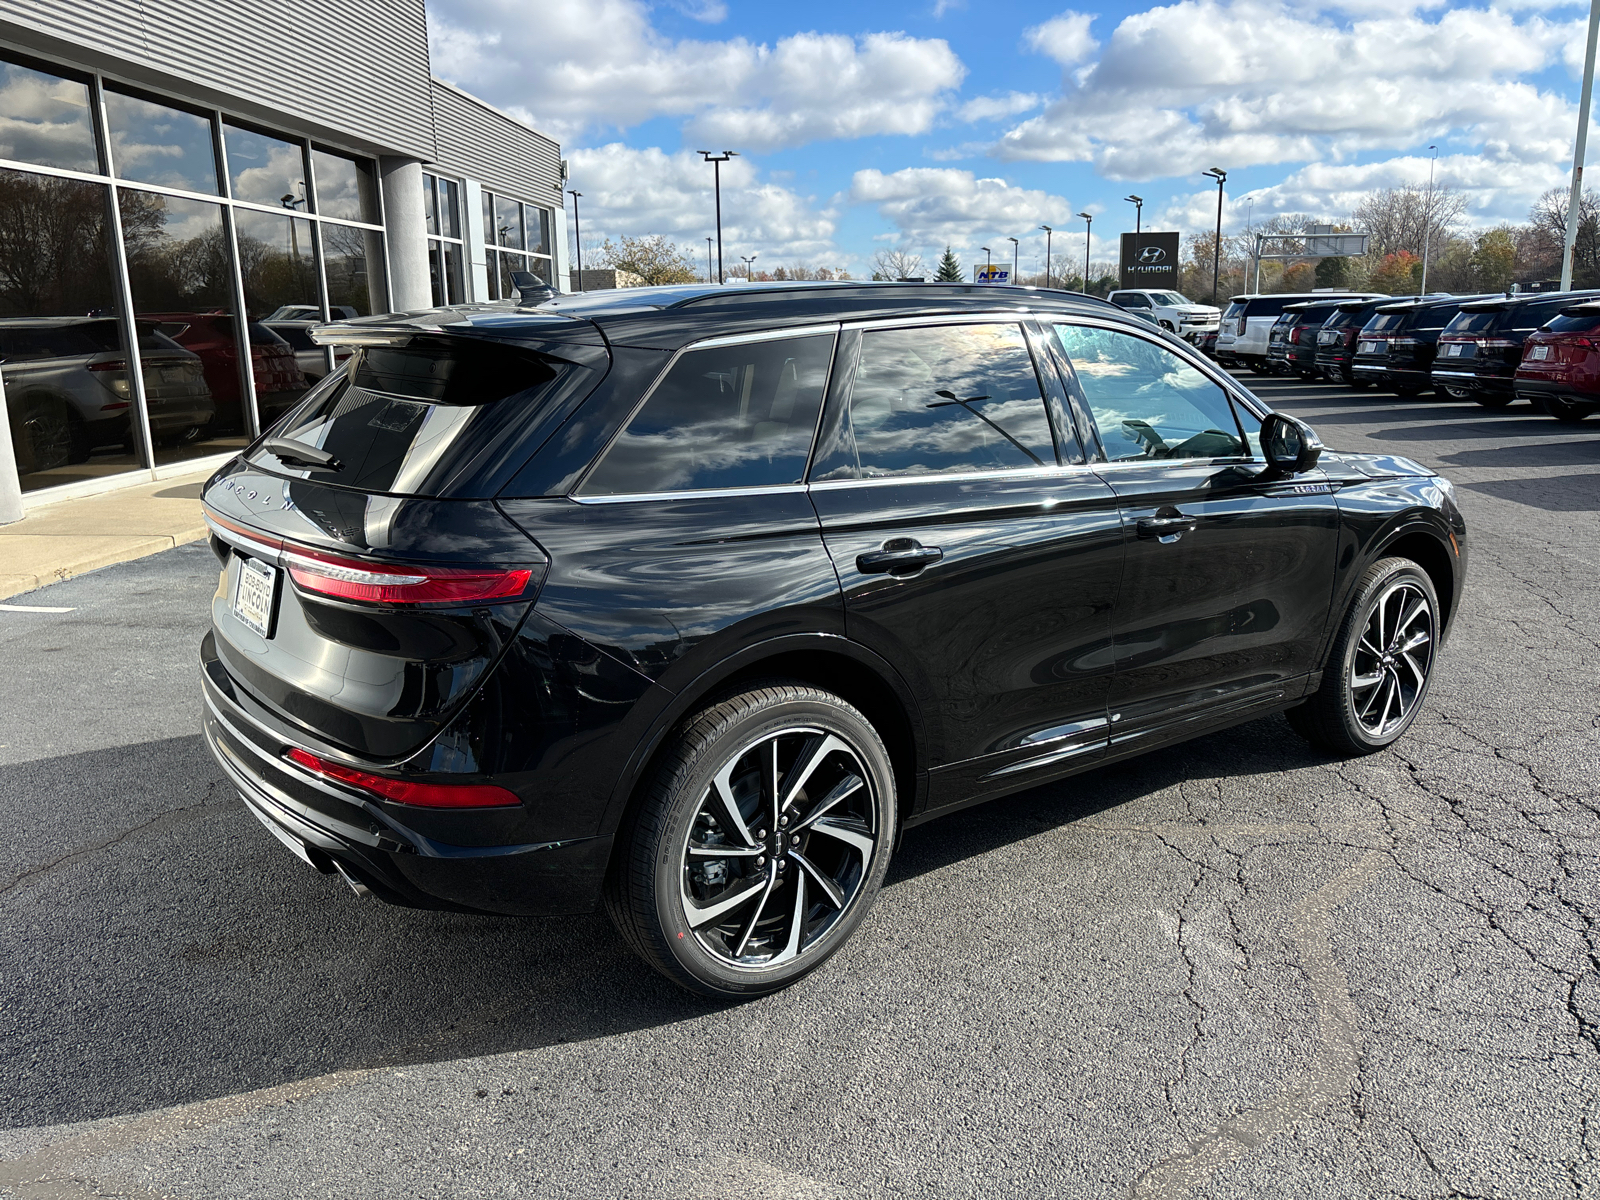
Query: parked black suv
1481	348
1292	341
1396	347
1336	340
694	599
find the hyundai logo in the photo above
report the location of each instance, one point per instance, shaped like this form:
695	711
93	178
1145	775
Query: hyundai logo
1152	254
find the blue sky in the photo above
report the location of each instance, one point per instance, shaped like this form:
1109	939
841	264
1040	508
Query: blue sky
865	126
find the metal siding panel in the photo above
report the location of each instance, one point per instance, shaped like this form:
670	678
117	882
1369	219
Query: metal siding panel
481	143
312	59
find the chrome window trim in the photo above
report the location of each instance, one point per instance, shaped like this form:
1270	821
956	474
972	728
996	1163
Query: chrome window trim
1051	472
1013	317
768	489
712	343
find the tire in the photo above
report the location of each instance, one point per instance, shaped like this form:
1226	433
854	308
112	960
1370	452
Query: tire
1493	399
1565	410
47	426
1409	393
1358	683
1351	379
1168	326
666	893
80	447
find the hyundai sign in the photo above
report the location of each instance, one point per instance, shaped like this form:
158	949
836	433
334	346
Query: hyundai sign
1150	260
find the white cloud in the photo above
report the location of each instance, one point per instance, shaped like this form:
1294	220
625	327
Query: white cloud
632	193
932	207
594	64
1065	38
711	12
988	108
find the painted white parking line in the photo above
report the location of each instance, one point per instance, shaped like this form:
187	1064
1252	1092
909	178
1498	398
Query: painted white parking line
33	608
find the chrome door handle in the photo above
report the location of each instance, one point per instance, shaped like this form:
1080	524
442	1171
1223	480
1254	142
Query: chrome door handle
899	556
1163	528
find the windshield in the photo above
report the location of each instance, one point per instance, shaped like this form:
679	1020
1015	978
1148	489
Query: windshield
1168	298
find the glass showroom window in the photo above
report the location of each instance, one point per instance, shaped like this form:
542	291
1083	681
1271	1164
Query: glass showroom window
517	237
235	241
441	199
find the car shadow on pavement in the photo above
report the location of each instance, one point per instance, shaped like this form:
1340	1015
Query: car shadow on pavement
1541	454
160	947
1560	493
1470	422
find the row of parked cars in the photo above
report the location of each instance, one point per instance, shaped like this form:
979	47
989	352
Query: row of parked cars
1493	348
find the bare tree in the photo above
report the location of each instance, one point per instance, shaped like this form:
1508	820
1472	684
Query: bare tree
1548	233
1398	219
896	264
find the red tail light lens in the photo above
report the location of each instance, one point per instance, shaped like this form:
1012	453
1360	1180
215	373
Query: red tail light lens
353	579
402	791
115	364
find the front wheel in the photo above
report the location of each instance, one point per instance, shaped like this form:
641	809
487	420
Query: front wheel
761	843
1382	661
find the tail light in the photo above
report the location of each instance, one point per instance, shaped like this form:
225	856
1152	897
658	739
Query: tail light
1294	335
1348	337
1585	343
116	372
1498	343
345	578
1395	342
405	791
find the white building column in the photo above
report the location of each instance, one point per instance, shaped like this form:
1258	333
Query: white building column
477	258
10	488
405	222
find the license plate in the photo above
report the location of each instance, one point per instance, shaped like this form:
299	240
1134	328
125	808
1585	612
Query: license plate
1538	351
1368	348
254	593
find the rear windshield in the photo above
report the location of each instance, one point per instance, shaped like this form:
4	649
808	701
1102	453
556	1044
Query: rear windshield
1389	321
1526	317
405	420
1582	323
1233	310
1467	321
296	336
1268	306
1435	316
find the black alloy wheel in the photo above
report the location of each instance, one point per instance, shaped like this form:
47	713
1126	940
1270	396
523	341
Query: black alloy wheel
1565	410
47	426
761	842
1378	672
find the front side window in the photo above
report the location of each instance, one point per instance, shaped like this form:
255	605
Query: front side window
1133	300
940	400
724	417
1148	402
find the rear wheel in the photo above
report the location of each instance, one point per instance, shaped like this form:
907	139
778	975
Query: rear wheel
1565	410
1378	672
762	841
1409	393
1492	399
47	428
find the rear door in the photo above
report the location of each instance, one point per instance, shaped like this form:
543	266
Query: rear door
975	549
1229	575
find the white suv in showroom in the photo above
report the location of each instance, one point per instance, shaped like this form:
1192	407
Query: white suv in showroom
1170	310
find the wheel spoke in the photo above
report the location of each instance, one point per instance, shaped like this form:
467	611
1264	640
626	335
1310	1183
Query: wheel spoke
701	915
1422	678
761	905
1366	644
1389	695
797	922
723	851
829	888
1366	681
811	757
1421	638
842	791
850	833
770	780
1415	607
727	814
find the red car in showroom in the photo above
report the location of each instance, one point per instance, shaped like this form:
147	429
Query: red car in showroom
278	378
1560	368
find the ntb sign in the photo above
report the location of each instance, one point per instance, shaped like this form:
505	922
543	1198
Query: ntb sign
992	273
1149	260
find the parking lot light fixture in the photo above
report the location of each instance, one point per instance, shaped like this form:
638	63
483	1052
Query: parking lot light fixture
1088	243
1221	177
577	234
749	273
989	259
1048	235
1016	259
1138	223
716	161
1575	197
1427	221
708	260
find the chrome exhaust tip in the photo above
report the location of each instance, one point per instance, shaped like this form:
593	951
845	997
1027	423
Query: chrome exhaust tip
361	890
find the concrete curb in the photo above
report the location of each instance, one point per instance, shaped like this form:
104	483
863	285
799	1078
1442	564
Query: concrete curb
124	550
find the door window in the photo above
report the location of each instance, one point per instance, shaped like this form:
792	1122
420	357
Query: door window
728	416
939	400
1148	402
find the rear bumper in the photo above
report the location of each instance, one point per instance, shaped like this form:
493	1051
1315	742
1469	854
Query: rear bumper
332	829
1472	381
1534	389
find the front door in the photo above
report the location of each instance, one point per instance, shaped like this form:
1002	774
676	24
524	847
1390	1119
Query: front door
1229	573
974	551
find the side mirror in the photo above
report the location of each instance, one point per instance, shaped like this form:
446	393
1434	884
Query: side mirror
1291	447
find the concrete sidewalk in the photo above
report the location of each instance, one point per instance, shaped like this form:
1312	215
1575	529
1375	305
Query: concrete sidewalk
67	538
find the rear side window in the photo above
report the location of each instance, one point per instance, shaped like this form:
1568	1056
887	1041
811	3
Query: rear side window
1233	310
1267	307
1528	317
938	400
1582	323
406	419
1387	322
1467	321
1436	317
724	417
1131	300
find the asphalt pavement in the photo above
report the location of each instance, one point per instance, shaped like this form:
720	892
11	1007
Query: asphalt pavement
1234	969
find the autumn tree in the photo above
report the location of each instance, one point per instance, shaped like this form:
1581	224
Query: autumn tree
653	258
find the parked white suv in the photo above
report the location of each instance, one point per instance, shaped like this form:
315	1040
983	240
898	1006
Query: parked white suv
1247	325
1170	310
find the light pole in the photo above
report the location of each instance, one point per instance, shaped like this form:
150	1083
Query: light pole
1138	225
1221	177
1048	235
1088	232
989	260
1575	199
1016	260
293	205
577	233
748	276
1427	221
716	161
708	260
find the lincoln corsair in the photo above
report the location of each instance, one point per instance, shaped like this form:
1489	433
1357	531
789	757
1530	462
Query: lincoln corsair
689	601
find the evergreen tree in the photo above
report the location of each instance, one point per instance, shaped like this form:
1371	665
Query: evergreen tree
949	268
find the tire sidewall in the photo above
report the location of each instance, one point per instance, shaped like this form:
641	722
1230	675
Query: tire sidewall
815	711
1383	575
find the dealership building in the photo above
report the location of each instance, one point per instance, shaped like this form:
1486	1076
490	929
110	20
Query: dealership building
187	185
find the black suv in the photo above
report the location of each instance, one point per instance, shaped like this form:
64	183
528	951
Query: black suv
1481	348
1336	340
692	600
1292	342
1396	347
